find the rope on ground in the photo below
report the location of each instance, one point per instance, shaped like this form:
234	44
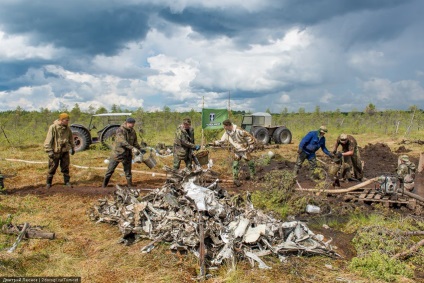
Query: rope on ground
86	167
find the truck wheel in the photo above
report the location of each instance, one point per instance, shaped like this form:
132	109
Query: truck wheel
282	135
261	134
108	137
81	138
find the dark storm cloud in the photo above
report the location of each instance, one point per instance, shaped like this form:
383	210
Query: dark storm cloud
93	27
10	71
240	22
332	53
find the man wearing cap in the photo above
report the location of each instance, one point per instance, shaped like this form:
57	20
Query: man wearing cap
125	142
406	173
243	143
59	144
350	154
184	144
313	141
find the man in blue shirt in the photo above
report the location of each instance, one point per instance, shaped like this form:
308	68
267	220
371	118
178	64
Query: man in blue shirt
313	141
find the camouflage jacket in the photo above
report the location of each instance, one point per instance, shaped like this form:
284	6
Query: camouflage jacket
125	141
183	142
406	171
59	138
238	138
350	145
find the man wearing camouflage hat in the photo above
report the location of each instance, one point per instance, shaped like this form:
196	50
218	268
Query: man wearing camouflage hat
184	144
313	141
350	155
59	144
406	173
125	142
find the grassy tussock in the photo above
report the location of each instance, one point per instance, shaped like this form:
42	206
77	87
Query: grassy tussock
378	238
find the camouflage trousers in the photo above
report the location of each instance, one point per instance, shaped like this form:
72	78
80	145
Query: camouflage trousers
300	159
177	162
355	162
126	163
236	164
64	161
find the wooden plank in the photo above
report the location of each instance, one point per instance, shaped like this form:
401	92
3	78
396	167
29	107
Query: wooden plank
370	196
412	204
378	196
361	198
386	201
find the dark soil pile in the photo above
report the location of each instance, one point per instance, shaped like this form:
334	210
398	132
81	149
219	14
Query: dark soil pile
378	159
402	149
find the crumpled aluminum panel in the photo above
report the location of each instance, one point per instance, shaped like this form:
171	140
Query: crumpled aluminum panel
172	214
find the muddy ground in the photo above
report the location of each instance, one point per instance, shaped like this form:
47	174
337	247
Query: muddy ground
378	160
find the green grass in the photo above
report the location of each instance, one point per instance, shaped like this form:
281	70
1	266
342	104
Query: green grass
378	238
378	265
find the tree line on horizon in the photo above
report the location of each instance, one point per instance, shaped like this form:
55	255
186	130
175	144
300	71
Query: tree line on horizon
26	127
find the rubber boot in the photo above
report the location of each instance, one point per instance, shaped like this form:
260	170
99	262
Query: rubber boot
252	169
66	179
49	182
1	182
105	181
129	182
236	169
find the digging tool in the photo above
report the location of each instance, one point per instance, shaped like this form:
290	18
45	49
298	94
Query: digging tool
319	160
18	240
196	161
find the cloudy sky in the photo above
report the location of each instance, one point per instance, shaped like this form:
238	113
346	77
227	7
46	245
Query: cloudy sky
335	54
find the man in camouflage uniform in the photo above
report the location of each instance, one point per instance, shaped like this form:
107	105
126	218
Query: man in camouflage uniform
125	142
243	143
351	156
184	144
406	173
59	144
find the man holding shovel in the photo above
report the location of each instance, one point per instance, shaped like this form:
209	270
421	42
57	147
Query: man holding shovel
125	142
184	144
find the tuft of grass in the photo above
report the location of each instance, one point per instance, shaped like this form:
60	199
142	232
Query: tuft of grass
277	189
378	238
378	265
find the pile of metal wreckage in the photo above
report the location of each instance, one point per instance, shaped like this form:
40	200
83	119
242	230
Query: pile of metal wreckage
197	215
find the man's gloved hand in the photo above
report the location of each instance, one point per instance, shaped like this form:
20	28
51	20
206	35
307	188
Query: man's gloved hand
299	151
197	147
339	154
72	151
50	154
334	151
331	155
